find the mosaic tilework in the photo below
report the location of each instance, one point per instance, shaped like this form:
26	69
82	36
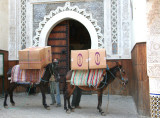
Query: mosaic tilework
155	105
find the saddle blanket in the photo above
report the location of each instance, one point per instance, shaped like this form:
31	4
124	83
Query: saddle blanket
27	75
87	77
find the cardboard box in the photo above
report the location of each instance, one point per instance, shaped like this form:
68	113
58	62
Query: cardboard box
97	58
79	59
48	55
32	58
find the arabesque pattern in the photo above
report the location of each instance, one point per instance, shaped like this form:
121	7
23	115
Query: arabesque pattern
67	7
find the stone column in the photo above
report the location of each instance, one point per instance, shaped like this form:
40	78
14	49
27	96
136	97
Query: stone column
153	56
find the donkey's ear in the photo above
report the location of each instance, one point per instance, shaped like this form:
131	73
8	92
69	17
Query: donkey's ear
118	64
47	66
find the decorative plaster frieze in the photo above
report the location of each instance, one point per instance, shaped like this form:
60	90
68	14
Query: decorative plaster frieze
107	27
153	70
126	28
55	1
153	56
29	25
26	39
114	26
14	32
23	24
153	50
74	10
153	43
118	29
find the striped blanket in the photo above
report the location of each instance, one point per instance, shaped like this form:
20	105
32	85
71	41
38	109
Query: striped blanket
27	75
87	77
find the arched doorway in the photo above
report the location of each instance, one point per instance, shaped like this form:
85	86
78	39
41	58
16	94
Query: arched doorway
66	36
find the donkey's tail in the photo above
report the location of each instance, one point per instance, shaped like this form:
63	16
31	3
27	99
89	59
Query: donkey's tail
64	85
9	72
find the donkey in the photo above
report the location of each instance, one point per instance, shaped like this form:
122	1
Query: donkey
108	77
49	71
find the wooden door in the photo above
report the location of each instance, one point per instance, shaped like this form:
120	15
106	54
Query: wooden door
59	40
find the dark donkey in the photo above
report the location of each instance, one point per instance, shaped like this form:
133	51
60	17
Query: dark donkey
50	69
108	77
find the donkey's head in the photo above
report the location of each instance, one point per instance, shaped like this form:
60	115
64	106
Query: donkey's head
52	69
119	73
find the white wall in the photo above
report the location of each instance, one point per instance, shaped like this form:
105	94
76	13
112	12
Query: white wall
139	22
4	24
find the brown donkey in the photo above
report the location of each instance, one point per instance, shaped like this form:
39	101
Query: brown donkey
108	76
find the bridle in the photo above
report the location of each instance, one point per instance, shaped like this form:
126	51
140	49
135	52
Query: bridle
107	69
120	70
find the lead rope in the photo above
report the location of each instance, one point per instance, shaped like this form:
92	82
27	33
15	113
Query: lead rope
107	101
108	92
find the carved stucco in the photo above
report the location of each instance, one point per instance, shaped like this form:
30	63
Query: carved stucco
153	43
59	13
122	33
124	30
153	55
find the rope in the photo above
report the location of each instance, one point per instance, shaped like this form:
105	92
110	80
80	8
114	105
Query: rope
43	80
107	101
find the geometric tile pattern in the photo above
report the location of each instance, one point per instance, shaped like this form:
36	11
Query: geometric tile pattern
155	105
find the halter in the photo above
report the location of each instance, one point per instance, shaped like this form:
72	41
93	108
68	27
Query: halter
107	69
120	73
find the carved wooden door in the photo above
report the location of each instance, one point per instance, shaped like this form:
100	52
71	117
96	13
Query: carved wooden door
59	41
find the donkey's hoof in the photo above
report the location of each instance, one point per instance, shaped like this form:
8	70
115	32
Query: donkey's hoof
72	110
68	111
6	107
48	108
13	104
103	114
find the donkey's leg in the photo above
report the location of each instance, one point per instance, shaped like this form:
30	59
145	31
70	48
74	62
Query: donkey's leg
65	94
65	100
9	90
5	100
69	104
44	97
68	97
68	92
100	102
11	95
